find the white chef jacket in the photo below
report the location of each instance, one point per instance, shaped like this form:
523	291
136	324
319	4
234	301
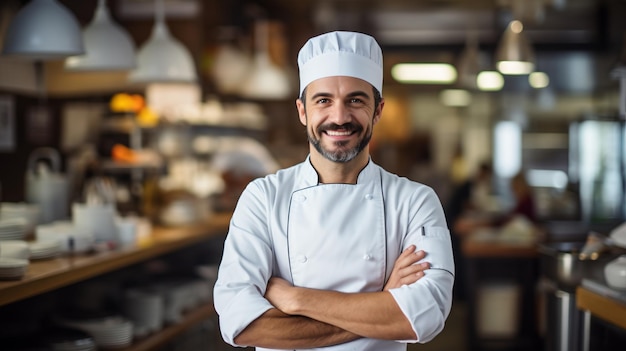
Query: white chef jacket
343	237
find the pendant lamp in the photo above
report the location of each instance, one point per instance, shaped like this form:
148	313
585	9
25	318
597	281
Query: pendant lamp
267	81
108	46
163	58
514	54
43	30
469	64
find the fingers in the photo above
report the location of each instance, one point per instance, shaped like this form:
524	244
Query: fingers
409	257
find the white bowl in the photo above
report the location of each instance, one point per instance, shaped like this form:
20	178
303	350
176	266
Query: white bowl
14	249
615	272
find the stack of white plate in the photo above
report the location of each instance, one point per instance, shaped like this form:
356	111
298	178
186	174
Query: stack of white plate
12	228
14	249
12	268
40	250
112	332
61	339
27	211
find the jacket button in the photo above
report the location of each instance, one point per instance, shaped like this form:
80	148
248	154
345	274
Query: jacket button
367	257
301	198
369	196
301	258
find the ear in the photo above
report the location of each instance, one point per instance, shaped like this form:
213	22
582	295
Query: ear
301	111
379	111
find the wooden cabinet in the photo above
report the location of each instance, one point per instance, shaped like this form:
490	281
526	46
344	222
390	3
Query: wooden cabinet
46	276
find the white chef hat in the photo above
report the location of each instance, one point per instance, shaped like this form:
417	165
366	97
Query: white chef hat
341	54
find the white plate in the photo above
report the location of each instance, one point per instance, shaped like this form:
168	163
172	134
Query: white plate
12	268
6	262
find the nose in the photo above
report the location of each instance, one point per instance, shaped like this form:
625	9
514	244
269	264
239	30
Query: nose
340	114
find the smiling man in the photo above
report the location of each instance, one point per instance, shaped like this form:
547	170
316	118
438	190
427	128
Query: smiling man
336	253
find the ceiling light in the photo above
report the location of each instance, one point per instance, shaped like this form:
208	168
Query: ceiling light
538	80
43	30
455	97
489	81
108	46
514	54
163	58
424	73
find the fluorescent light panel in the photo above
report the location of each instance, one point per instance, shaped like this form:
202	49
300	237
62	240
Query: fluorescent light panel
455	97
515	67
424	73
489	81
538	80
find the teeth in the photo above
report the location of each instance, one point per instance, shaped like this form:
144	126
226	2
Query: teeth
336	133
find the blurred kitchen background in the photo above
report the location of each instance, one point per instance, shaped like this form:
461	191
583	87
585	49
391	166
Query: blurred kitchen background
166	109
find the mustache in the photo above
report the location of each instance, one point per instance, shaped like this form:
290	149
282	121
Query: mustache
350	127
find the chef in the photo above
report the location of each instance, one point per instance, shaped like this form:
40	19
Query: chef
336	253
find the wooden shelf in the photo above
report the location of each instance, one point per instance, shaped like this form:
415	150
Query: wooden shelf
47	275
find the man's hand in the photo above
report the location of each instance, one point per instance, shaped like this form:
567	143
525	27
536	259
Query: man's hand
406	270
278	293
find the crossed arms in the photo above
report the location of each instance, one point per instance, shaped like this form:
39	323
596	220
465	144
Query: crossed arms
307	318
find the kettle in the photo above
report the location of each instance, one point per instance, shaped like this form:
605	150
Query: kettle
46	186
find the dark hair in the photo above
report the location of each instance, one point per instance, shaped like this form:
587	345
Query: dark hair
377	97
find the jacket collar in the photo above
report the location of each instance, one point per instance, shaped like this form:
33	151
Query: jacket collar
308	176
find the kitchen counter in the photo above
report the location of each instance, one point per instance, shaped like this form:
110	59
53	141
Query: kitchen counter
490	245
602	301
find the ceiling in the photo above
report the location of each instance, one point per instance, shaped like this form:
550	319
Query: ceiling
582	36
565	23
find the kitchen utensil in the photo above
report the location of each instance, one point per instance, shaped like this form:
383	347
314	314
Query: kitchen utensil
96	219
561	263
46	186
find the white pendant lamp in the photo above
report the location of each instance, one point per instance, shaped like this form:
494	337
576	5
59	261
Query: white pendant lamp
108	46
43	30
267	81
514	54
163	58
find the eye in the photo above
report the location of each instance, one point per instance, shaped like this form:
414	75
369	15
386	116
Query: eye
322	101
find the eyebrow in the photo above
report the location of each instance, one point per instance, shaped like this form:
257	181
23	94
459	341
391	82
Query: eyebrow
357	93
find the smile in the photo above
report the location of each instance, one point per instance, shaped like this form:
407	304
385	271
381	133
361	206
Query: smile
338	133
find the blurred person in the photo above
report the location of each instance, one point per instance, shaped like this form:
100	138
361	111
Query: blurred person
524	207
474	194
336	253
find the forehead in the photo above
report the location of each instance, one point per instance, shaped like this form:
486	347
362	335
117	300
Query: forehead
339	86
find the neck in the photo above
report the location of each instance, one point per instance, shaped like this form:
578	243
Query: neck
331	172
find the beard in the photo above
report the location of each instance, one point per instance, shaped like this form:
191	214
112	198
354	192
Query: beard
342	153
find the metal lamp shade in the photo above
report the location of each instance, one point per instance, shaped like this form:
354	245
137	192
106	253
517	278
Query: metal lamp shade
108	46
163	59
43	30
514	54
